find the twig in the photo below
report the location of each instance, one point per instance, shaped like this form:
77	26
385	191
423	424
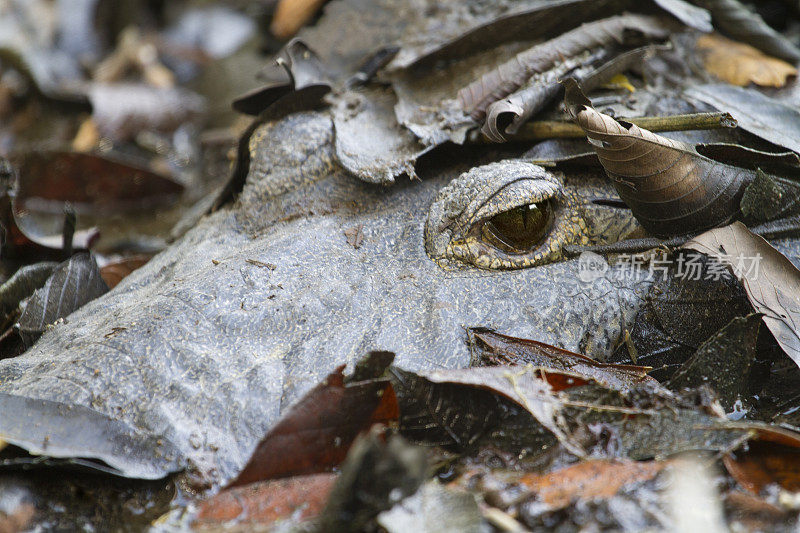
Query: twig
553	129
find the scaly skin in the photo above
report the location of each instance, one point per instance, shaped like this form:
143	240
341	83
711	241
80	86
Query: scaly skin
263	299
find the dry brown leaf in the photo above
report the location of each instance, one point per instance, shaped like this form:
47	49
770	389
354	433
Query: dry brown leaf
670	187
741	64
291	15
771	281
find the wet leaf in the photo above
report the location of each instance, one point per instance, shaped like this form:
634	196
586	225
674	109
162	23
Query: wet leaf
693	16
754	112
463	407
22	284
434	509
291	15
670	187
526	21
91	183
763	464
317	432
741	64
741	23
690	300
375	476
297	498
723	362
71	285
492	348
771	281
113	273
370	144
297	69
508	115
508	77
589	480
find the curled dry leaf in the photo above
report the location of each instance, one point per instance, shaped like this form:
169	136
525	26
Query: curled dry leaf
741	64
510	76
771	281
670	187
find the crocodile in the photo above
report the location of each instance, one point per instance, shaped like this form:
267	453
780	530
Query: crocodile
192	358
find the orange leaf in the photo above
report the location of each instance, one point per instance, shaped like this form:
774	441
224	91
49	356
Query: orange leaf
741	64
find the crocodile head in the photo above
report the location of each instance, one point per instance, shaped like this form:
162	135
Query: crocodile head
194	356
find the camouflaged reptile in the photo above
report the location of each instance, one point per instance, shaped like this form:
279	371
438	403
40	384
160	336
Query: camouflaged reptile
192	358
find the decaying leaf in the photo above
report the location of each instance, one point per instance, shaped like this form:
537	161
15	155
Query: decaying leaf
690	300
492	348
524	21
316	433
376	475
462	407
723	362
741	64
71	285
754	112
298	498
589	480
510	76
771	281
434	508
763	464
741	23
670	187
91	183
22	284
115	272
691	15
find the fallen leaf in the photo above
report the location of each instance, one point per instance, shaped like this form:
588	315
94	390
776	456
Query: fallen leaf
690	300
434	508
756	113
589	480
771	281
743	24
89	182
113	273
723	361
377	473
763	464
299	498
71	285
510	76
317	432
291	15
670	187
741	64
495	349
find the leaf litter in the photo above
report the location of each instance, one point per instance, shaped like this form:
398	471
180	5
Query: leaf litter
532	435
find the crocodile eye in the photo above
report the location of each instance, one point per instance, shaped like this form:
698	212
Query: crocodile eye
518	230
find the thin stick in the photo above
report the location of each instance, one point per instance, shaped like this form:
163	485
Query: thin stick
553	129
